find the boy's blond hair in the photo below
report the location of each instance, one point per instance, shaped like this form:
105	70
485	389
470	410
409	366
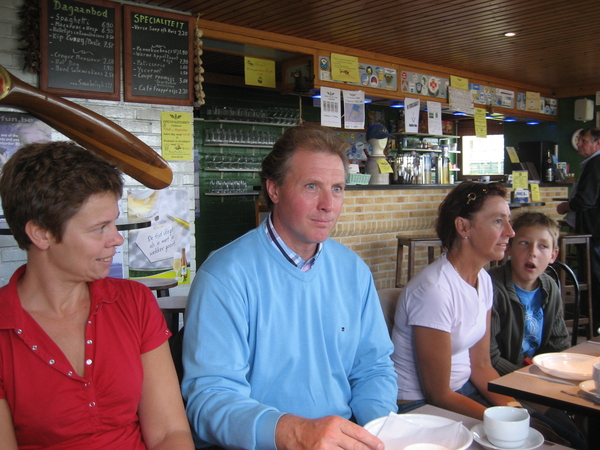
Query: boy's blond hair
533	219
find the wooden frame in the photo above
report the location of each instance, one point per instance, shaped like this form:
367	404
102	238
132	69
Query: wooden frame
163	35
86	55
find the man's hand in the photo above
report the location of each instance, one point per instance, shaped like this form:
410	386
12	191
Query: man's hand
563	208
331	432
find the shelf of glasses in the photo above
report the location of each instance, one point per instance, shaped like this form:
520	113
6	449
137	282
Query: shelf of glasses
232	194
245	122
434	150
223	144
232	170
439	136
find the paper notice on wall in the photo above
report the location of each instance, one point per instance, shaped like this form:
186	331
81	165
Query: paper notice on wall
512	154
459	82
259	72
434	117
331	115
461	100
176	135
480	123
412	107
535	192
344	68
354	109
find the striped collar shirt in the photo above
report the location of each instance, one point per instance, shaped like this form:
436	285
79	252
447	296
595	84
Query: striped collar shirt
287	252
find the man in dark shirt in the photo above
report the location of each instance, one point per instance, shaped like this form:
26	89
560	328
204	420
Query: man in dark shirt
586	204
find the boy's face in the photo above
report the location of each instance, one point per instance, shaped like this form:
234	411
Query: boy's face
530	252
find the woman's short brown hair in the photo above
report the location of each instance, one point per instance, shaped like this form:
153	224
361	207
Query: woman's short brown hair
276	164
463	201
49	182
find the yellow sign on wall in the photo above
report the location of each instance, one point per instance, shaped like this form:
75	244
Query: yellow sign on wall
480	123
344	68
459	82
176	129
259	72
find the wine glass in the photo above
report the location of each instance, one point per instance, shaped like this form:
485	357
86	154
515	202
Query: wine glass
177	264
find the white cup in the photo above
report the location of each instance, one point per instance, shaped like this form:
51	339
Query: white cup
596	377
505	426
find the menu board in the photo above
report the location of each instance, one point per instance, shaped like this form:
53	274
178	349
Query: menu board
158	56
81	46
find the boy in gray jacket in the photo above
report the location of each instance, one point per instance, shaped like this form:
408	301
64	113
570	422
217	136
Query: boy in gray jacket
527	317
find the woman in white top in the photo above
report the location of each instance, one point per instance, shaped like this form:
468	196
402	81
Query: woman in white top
442	321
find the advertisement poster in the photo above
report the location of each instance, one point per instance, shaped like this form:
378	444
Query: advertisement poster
177	136
19	129
161	250
331	114
354	107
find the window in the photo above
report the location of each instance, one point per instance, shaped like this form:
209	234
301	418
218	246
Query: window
483	156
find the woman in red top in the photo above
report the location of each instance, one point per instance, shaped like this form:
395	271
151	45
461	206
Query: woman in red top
84	359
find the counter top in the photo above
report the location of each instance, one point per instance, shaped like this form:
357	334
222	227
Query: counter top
374	187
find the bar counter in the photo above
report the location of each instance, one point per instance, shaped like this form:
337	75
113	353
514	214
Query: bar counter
373	215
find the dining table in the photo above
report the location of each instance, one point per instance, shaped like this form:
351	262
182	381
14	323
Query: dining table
531	383
469	423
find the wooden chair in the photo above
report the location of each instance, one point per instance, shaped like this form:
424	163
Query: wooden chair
571	314
173	307
388	299
412	242
575	248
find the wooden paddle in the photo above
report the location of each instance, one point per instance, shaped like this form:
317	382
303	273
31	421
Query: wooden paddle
88	129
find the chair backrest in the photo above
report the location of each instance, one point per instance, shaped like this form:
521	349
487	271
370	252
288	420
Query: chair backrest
388	299
554	270
177	353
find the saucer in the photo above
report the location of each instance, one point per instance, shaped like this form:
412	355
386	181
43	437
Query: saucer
589	387
534	440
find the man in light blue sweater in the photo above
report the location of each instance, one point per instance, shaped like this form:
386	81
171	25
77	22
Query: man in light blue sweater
285	343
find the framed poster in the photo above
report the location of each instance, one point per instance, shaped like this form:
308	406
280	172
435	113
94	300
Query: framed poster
81	48
158	56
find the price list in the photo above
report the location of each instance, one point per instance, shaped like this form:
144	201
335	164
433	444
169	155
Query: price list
157	56
82	47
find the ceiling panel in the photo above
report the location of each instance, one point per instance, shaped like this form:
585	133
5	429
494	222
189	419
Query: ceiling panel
557	44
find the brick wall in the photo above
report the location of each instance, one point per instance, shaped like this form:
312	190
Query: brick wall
142	120
371	219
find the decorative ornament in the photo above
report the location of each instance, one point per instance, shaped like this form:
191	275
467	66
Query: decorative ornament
29	14
198	69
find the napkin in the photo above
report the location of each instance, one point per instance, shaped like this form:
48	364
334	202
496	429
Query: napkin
396	433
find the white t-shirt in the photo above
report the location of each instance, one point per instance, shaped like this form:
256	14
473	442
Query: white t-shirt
439	298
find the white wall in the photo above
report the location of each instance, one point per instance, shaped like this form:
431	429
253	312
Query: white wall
141	119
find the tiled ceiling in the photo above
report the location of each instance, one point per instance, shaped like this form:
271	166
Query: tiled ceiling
557	45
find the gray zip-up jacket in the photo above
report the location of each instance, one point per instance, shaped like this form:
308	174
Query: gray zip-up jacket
508	321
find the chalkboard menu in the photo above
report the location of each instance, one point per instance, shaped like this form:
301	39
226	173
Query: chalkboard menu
81	42
158	56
